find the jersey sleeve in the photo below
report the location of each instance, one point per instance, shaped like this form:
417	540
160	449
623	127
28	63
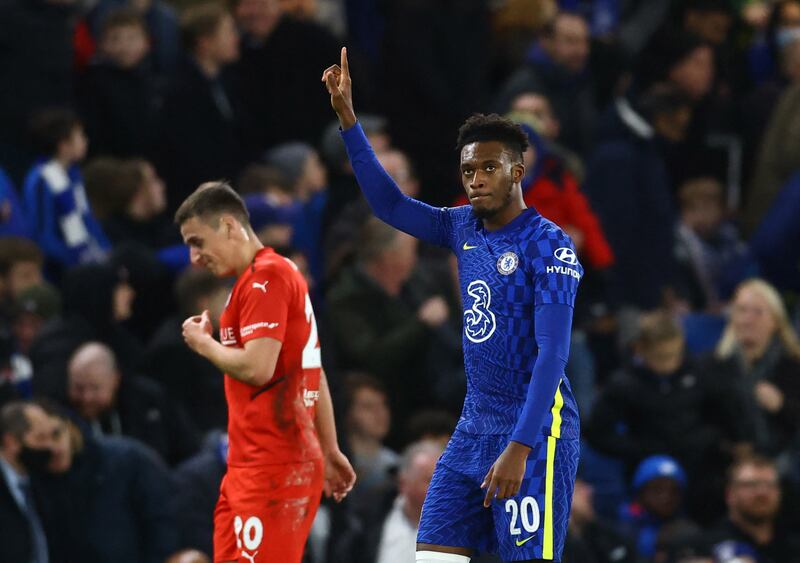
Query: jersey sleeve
556	270
264	299
418	219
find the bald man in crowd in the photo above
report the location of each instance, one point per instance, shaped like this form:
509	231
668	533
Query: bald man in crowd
113	403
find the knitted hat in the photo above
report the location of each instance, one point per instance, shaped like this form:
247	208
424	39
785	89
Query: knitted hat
658	466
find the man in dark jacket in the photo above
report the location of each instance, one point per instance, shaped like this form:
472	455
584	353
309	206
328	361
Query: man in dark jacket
630	188
197	482
190	380
24	437
111	404
557	68
200	125
111	498
753	497
375	328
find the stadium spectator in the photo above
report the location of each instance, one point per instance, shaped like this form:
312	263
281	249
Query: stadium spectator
398	537
130	199
97	300
190	380
301	166
629	185
275	44
13	222
663	404
117	94
597	541
342	185
759	356
200	131
32	308
556	67
197	481
775	164
711	257
535	108
162	28
342	239
24	454
366	424
112	497
430	425
374	328
21	263
110	404
60	216
753	497
654	519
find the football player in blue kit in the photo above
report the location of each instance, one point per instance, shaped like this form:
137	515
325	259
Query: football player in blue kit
504	483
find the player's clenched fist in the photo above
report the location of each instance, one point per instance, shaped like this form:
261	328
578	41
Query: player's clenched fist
340	87
197	331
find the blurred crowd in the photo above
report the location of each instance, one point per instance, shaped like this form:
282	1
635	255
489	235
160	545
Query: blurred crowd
664	139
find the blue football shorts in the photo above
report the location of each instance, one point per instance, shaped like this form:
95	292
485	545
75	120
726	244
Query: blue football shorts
531	525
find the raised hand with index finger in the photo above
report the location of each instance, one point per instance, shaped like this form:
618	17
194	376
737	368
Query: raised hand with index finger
340	87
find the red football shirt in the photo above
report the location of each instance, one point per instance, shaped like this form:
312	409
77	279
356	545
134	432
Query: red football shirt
273	423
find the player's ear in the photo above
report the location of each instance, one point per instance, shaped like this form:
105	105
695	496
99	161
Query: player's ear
517	172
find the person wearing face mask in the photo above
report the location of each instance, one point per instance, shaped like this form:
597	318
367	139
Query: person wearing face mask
108	498
25	437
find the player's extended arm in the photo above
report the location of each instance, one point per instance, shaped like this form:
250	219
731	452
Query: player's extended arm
386	200
553	326
339	474
254	364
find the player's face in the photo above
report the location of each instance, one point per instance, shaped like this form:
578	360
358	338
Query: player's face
489	172
209	245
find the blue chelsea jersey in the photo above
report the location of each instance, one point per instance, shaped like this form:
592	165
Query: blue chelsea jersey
504	274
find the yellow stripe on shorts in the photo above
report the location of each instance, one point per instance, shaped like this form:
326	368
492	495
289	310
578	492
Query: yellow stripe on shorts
555	432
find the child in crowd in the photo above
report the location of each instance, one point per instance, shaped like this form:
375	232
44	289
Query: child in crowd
118	92
60	216
711	255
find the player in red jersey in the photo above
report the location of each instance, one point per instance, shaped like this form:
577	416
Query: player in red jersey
283	448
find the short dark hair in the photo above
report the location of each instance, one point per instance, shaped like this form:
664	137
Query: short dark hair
256	177
194	284
355	382
14	420
210	200
112	184
493	127
374	238
50	127
122	17
661	98
754	460
657	327
430	423
18	249
202	20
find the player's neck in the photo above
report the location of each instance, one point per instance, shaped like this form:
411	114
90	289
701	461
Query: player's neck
248	253
505	215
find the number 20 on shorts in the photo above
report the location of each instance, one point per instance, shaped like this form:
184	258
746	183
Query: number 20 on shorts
526	512
250	532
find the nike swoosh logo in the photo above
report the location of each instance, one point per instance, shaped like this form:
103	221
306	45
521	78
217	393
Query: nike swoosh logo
468	247
523	542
